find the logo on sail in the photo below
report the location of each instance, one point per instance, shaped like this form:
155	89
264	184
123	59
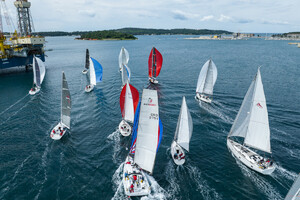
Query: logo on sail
258	104
149	102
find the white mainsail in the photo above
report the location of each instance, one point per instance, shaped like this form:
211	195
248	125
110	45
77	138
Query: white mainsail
207	78
184	127
252	121
294	192
65	103
147	136
123	57
39	71
92	73
128	105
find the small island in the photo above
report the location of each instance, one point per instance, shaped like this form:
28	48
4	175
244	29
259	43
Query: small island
105	35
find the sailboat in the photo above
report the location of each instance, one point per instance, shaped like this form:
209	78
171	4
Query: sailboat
294	192
154	64
129	99
123	58
39	72
60	129
252	124
206	81
183	134
146	139
96	72
87	62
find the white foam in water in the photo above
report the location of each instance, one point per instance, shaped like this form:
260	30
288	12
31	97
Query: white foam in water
115	137
216	112
260	182
287	174
118	184
206	191
174	187
157	192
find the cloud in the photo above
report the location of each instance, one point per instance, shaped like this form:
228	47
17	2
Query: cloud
207	18
244	21
224	18
88	13
178	14
275	22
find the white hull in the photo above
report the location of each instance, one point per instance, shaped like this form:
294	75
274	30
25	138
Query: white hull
177	154
89	88
33	92
250	158
124	128
57	134
85	71
152	80
134	179
202	97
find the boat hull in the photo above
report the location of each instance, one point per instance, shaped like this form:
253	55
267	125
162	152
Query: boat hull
124	128
202	97
89	88
177	154
57	134
134	179
153	80
247	156
33	92
85	71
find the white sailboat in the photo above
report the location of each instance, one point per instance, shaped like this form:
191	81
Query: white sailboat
129	99
294	192
183	134
60	129
125	74
252	124
206	81
96	73
39	72
146	138
123	58
87	62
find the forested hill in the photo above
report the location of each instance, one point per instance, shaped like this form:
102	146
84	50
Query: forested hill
142	31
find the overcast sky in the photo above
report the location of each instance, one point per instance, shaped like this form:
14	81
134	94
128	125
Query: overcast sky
258	16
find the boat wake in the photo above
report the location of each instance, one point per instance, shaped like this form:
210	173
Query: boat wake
115	137
118	184
157	192
260	182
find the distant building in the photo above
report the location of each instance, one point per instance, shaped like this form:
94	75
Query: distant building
248	35
293	35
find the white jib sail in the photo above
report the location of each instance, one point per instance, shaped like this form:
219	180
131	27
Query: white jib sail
207	78
123	57
128	105
92	73
258	134
42	69
184	127
147	136
65	103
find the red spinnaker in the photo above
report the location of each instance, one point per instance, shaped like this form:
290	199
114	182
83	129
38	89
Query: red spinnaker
135	98
155	59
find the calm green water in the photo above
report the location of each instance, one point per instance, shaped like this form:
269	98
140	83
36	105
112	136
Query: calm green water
87	162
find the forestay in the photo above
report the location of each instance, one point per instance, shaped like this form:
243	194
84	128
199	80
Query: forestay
207	78
123	57
148	133
184	127
96	71
252	121
65	103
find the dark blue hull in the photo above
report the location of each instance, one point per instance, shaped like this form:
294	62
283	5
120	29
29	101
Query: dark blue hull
19	61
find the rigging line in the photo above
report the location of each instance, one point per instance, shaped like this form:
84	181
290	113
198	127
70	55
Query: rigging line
14	104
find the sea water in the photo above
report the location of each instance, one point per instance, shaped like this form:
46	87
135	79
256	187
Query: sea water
87	162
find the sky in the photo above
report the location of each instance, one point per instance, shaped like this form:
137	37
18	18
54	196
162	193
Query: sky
249	16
